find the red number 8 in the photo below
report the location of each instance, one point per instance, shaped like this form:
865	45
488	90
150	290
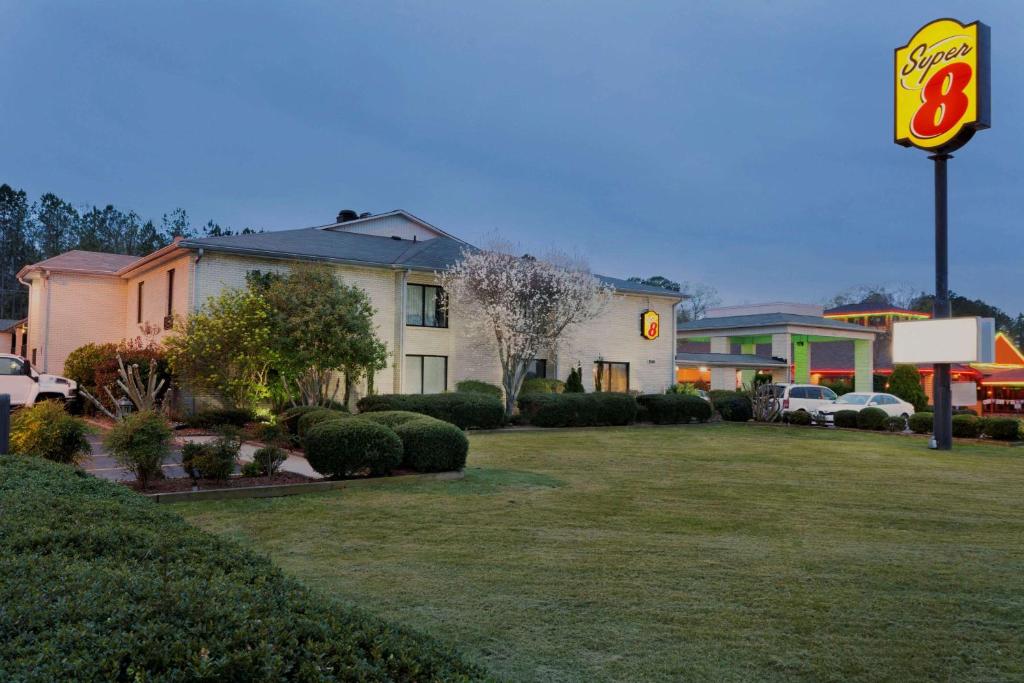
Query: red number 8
942	107
652	329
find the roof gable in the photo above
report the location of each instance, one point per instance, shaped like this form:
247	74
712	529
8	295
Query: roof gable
397	223
79	261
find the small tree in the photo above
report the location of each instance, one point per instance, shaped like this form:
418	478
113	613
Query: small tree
526	303
905	382
574	384
141	442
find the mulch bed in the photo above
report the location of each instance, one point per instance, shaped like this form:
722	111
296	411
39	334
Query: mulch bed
185	484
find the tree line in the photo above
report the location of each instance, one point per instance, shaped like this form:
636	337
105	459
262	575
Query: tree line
33	231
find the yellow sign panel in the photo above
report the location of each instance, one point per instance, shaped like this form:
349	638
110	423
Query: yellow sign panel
650	324
942	85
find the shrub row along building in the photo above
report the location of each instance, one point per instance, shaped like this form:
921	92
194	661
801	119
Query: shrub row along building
80	297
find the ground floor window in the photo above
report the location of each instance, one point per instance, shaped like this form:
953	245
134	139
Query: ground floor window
538	367
426	374
611	376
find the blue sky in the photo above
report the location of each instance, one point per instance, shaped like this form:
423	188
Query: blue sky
743	144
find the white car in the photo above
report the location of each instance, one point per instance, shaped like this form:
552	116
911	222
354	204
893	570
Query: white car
809	398
25	386
894	406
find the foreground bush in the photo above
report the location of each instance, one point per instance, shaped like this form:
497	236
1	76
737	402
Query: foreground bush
675	408
215	417
140	443
391	418
344	448
894	423
47	431
921	423
432	445
138	594
733	406
311	418
871	418
475	386
966	426
1001	428
542	385
464	410
845	418
799	417
578	410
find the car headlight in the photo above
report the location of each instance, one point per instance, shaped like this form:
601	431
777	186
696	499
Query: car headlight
61	380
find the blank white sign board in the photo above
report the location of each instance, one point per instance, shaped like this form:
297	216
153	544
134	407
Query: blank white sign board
964	394
947	340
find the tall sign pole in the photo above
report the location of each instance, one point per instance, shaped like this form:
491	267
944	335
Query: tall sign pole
942	97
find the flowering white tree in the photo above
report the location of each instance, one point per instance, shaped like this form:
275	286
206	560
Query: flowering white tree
526	303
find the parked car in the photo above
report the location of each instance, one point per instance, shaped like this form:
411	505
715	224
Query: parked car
894	406
704	395
25	386
808	398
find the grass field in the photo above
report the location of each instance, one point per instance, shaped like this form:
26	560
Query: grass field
712	552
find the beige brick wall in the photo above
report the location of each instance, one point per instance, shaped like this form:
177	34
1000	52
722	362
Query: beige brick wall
82	309
154	296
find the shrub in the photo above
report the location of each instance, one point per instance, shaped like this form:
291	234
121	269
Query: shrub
343	448
799	417
966	426
432	445
733	406
840	386
845	418
1002	428
272	433
474	386
137	589
290	417
391	418
574	383
268	459
686	388
905	382
674	408
95	366
140	442
213	460
921	423
314	417
47	431
215	417
542	385
871	418
578	410
463	410
251	469
894	423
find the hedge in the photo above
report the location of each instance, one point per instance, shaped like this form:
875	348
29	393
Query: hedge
733	406
311	418
475	386
392	418
139	594
463	410
871	418
1001	428
894	423
578	410
542	385
922	423
344	448
966	426
845	418
799	417
432	445
215	417
674	408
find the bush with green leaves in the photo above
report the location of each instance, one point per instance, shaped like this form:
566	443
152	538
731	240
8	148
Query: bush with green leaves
467	411
846	419
574	383
921	423
268	460
46	430
733	406
273	434
475	386
1002	428
674	408
345	448
685	388
799	417
966	426
137	593
140	443
871	418
905	382
894	423
314	417
432	445
839	386
578	410
391	418
290	417
215	417
542	385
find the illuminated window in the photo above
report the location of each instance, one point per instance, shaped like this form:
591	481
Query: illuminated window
424	306
611	376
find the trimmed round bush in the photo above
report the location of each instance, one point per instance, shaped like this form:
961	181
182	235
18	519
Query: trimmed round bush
315	417
432	445
922	423
1001	428
46	430
733	406
674	408
871	418
799	417
290	417
467	411
344	448
393	418
894	423
845	418
475	386
966	426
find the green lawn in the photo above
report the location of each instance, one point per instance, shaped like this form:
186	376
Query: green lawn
705	552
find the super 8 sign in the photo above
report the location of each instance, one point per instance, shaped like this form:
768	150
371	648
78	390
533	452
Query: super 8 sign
650	324
942	85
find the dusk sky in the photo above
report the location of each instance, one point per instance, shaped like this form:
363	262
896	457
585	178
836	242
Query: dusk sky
745	145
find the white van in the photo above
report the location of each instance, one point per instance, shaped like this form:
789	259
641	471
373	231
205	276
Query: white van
808	398
25	386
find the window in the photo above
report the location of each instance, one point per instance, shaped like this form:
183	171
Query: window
170	292
424	306
611	376
138	304
426	374
538	367
33	356
828	394
11	366
799	392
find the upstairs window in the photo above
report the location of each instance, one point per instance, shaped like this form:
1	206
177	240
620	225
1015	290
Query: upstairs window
138	304
170	292
424	306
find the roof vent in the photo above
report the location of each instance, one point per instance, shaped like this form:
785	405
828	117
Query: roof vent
396	237
346	215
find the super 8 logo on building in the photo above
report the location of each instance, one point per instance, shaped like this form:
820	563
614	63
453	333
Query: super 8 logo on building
650	324
942	85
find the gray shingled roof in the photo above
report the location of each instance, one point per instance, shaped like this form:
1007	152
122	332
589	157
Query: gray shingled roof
8	323
767	320
316	244
729	359
87	261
